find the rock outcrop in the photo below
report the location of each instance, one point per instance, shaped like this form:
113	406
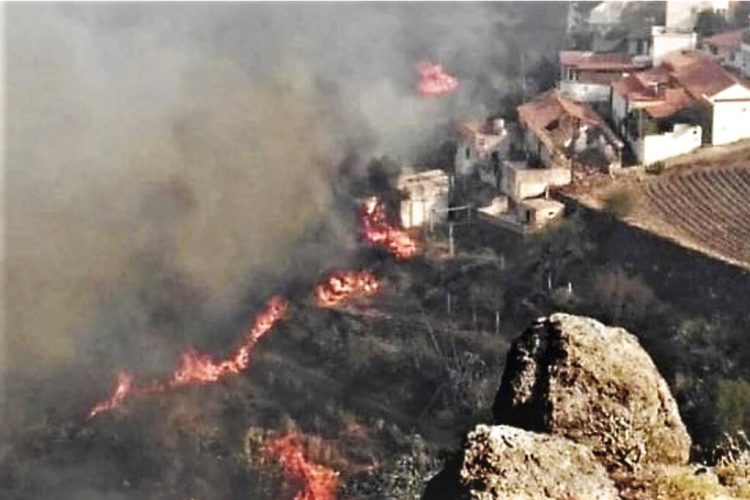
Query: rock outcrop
595	385
582	412
510	463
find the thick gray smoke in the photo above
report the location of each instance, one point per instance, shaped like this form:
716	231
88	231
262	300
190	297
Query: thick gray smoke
160	155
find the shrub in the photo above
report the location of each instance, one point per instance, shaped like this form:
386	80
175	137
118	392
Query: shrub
733	405
620	202
656	168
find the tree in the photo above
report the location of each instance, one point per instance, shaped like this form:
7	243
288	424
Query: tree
733	405
710	23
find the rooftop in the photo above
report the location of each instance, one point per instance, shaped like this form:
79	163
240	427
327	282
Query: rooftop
546	112
594	61
699	74
727	40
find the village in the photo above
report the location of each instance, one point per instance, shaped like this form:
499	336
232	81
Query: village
631	96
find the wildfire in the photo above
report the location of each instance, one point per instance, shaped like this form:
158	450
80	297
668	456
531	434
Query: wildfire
434	81
343	286
313	481
123	388
199	368
376	230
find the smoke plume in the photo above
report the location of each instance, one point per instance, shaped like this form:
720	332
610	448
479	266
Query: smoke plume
162	159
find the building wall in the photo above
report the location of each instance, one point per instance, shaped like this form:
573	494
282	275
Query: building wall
666	42
585	92
728	58
683	139
525	183
746	59
731	121
422	194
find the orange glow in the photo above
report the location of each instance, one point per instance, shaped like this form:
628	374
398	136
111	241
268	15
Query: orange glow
434	81
123	388
198	368
313	481
376	230
343	286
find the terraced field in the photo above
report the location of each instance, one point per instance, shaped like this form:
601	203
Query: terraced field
703	208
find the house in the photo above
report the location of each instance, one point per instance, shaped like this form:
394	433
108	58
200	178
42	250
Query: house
722	98
727	47
587	76
479	148
557	130
672	109
424	197
652	113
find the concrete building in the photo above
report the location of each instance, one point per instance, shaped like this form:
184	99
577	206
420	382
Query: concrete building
520	182
558	130
480	147
425	197
727	47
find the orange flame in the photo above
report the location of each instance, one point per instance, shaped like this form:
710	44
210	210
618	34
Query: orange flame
343	286
123	388
376	230
198	368
314	481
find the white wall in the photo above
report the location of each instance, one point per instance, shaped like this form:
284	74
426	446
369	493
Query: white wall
731	122
666	42
619	110
683	139
522	183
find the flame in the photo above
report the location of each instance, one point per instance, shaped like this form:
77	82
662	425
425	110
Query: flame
314	481
343	286
434	81
196	367
123	388
376	230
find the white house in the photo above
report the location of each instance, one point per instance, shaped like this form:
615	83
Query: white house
646	109
724	99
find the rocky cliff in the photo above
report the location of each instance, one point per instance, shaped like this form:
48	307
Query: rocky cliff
582	412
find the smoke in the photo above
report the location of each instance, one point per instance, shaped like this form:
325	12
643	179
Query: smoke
162	158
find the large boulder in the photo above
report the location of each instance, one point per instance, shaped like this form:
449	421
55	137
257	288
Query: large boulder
502	462
575	377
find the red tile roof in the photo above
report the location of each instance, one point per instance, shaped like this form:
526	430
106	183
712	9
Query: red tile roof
727	40
550	107
699	74
585	60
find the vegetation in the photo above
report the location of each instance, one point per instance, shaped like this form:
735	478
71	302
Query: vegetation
620	202
710	23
